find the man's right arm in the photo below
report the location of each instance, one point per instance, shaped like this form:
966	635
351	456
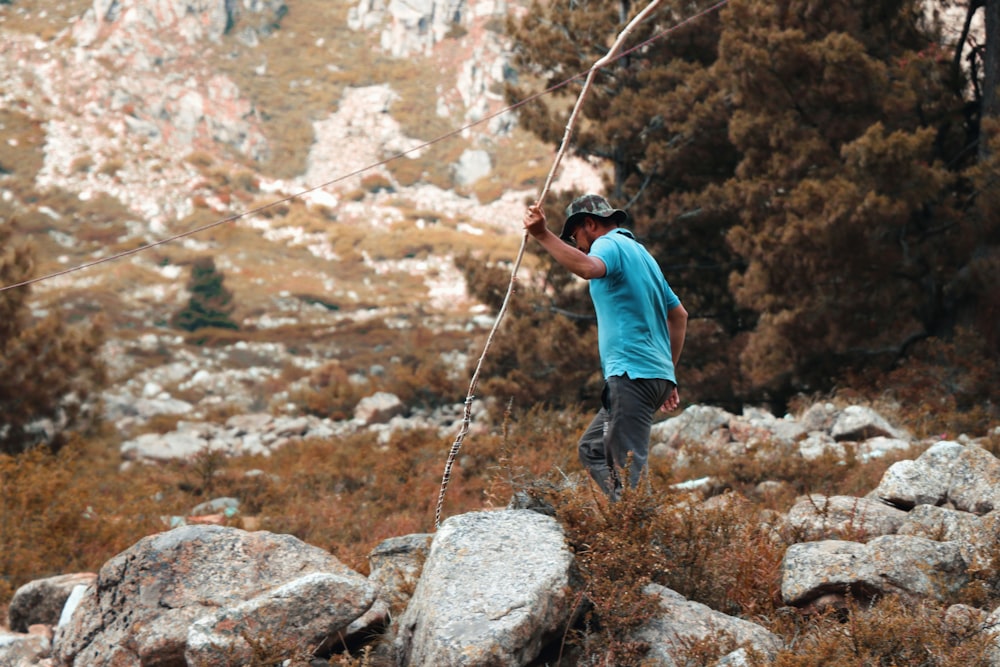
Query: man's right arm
571	258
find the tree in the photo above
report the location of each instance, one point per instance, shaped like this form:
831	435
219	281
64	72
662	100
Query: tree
210	304
49	372
539	359
801	170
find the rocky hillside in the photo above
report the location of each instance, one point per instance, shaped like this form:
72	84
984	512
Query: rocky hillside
274	125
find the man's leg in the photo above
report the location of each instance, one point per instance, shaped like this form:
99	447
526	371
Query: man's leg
593	453
631	406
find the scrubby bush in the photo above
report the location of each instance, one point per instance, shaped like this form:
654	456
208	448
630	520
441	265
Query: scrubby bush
49	371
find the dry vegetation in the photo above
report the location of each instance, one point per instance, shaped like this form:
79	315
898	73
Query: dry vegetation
73	510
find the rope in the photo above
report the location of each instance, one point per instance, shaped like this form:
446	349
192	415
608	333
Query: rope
602	62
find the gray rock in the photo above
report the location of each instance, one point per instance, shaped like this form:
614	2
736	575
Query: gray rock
472	166
812	569
160	447
818	444
886	564
818	517
42	600
303	612
857	422
23	650
249	423
378	408
694	425
146	598
683	622
940	524
819	417
916	565
975	481
968	477
215	506
395	566
924	481
495	588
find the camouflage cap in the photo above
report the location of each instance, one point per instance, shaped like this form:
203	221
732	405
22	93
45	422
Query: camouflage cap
594	205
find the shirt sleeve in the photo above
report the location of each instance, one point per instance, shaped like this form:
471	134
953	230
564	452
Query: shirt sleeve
606	250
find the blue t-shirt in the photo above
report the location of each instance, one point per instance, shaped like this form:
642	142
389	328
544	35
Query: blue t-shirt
632	300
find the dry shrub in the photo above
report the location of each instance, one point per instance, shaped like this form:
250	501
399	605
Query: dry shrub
331	393
376	182
60	514
893	631
722	556
618	552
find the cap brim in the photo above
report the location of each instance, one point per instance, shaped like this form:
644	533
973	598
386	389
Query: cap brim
571	222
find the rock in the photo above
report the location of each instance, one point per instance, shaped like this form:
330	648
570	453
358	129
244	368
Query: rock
784	431
694	425
682	623
472	166
163	447
879	446
378	408
923	481
818	444
939	523
819	417
886	564
975	481
857	422
395	566
812	569
495	588
940	574
303	612
817	517
227	506
23	650
966	476
249	423
147	598
42	600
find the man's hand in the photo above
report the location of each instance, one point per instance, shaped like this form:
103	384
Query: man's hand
672	402
534	221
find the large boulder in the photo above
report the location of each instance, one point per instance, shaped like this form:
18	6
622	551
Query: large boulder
901	564
209	582
495	588
967	476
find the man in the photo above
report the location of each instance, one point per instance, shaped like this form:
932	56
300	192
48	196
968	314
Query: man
641	326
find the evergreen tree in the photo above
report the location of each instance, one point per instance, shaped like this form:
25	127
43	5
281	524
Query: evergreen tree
48	372
210	304
803	172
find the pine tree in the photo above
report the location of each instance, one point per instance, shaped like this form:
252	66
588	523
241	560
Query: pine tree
802	172
48	372
211	304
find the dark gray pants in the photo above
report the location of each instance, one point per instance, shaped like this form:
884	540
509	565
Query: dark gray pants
621	428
